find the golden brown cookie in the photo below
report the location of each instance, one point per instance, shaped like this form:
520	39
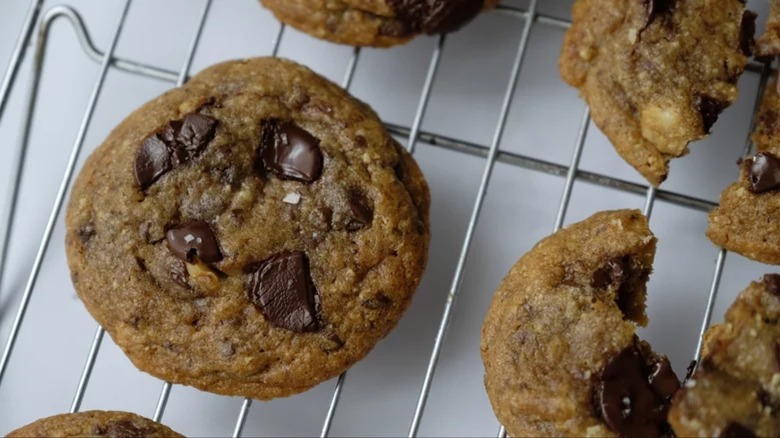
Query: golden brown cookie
559	341
378	23
95	423
656	74
735	391
768	46
745	222
254	232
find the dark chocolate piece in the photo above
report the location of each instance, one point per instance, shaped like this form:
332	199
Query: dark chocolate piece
663	379
736	430
435	16
282	289
764	172
194	240
628	400
747	33
710	108
177	143
289	151
362	213
656	8
612	273
772	283
122	429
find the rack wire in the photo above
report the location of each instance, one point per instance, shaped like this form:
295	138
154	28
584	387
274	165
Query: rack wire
414	134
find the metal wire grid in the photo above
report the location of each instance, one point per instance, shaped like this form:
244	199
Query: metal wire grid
413	134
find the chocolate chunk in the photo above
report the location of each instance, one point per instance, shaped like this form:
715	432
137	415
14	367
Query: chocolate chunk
177	143
380	301
656	8
663	379
772	283
612	273
435	16
362	213
710	108
122	429
194	240
86	233
627	400
747	33
764	173
289	151
282	289
736	430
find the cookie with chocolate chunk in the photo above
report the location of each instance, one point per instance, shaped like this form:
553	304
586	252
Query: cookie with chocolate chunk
559	341
656	74
377	23
745	222
95	423
735	391
254	232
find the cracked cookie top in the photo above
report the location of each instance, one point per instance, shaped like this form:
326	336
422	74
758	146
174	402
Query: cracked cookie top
254	232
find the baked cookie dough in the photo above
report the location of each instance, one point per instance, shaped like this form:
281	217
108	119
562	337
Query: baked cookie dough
254	232
95	423
735	391
656	74
768	46
745	222
378	23
559	341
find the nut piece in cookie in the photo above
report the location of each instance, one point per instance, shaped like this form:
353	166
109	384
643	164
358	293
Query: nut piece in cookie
95	423
656	74
378	23
745	222
735	391
559	345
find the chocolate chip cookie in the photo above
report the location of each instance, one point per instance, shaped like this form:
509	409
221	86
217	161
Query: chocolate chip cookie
735	391
745	221
95	423
378	23
768	46
254	232
656	74
559	342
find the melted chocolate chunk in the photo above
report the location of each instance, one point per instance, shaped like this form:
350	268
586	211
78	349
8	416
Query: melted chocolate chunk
764	172
282	289
747	32
289	151
613	272
194	240
628	400
362	213
656	8
663	379
122	429
435	16
710	108
177	143
736	430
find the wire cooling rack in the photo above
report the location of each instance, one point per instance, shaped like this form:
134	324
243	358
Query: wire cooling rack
527	18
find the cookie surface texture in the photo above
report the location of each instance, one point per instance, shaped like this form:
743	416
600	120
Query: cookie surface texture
95	423
745	220
768	46
252	233
559	345
656	74
735	390
378	23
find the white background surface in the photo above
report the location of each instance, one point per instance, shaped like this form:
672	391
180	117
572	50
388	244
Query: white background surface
381	391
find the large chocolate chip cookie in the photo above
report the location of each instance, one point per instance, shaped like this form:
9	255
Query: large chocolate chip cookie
95	423
254	232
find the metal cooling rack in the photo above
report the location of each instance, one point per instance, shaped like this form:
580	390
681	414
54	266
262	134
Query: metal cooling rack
41	20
